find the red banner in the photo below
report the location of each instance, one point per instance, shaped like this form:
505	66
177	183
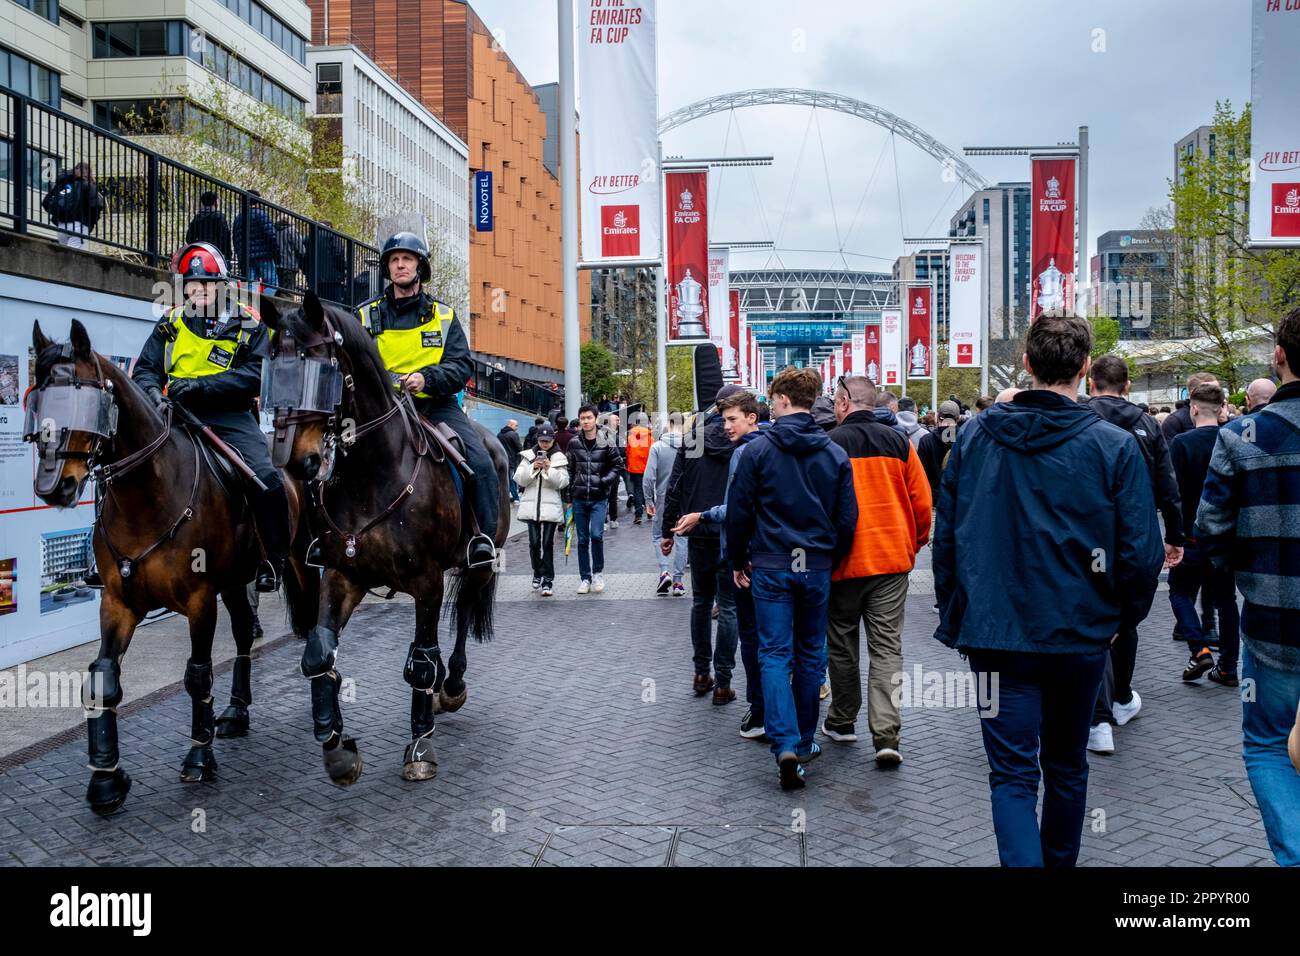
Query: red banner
871	362
848	358
1051	257
688	255
734	302
917	351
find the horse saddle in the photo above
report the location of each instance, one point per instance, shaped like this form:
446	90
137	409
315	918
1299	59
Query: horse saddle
228	474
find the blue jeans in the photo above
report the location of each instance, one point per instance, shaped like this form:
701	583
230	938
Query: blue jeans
1040	715
1265	724
264	271
589	520
790	614
747	630
514	488
1218	588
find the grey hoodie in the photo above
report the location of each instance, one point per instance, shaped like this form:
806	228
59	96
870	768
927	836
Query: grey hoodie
659	467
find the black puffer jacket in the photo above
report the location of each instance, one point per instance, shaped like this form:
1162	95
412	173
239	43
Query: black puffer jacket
593	468
1155	451
699	478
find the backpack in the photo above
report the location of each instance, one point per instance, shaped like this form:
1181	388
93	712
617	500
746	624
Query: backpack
62	202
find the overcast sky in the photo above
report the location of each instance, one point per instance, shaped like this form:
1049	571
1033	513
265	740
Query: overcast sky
1139	73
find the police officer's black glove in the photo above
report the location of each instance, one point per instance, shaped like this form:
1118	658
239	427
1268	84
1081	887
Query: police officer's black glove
185	391
155	395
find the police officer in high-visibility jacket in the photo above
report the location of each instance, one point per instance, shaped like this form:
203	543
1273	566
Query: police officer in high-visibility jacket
427	353
208	353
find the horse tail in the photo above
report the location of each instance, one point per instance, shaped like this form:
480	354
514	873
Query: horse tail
473	597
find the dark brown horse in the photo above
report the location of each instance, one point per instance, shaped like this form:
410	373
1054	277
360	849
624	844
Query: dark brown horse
389	516
167	535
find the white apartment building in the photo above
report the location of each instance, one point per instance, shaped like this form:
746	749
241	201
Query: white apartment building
410	162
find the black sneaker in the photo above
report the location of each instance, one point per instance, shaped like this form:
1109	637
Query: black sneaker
751	728
840	733
791	771
1220	676
1198	665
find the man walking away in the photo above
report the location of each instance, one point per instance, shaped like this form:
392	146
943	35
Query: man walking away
658	469
542	475
1259	393
886	411
907	419
514	446
209	225
1191	453
791	516
563	434
1181	419
1042	482
1249	521
870	584
593	469
698	482
291	256
639	440
933	448
1109	385
258	256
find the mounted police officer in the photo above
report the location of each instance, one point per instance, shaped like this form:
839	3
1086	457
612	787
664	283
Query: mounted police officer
426	350
208	353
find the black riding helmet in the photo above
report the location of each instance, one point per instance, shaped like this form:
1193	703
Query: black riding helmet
406	242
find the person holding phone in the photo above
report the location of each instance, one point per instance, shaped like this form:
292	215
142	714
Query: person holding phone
542	475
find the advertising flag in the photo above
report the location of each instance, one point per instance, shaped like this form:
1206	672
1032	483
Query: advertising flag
688	255
733	338
1051	218
847	358
891	348
964	313
1275	124
918	332
618	110
720	303
858	344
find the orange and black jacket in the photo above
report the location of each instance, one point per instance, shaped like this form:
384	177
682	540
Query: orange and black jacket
893	498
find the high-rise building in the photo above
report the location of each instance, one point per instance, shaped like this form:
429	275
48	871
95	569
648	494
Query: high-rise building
1130	278
407	160
450	61
1001	214
1199	140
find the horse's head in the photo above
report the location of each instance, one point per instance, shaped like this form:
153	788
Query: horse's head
70	414
303	386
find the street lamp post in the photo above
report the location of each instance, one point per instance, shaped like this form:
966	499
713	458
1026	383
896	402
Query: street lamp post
568	107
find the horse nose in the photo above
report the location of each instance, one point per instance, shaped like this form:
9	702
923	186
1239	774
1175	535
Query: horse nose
310	466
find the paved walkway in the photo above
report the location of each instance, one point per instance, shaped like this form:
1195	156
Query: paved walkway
581	743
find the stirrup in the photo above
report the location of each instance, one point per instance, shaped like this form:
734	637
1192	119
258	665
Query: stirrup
315	557
259	582
91	579
478	542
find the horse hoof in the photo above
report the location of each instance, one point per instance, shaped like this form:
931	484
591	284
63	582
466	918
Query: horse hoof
200	766
419	770
449	704
107	791
233	722
343	763
419	763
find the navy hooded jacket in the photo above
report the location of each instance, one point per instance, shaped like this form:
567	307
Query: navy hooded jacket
791	500
1048	540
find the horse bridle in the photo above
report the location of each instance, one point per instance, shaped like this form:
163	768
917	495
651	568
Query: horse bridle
58	378
336	436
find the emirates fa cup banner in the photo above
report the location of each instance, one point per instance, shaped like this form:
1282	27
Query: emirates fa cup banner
688	255
733	338
1275	123
618	108
858	353
847	363
891	348
1051	219
720	303
918	332
964	312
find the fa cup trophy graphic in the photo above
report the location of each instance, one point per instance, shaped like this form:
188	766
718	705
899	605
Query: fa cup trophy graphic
1051	288
690	306
918	353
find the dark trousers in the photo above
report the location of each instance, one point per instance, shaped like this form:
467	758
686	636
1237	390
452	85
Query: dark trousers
711	579
1194	574
270	508
612	499
638	492
541	549
1117	684
1037	715
484	486
747	633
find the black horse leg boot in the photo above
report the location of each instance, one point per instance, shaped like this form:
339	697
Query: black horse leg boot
271	513
481	552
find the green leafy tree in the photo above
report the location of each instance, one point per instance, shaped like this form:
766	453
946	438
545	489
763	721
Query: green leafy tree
597	370
1105	335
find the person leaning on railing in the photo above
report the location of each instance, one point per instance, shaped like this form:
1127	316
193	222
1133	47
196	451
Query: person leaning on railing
74	204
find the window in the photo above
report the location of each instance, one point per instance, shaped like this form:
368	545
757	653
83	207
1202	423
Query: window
138	117
49	9
30	79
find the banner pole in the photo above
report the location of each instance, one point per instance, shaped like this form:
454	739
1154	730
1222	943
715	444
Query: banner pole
1083	215
934	344
661	296
985	315
569	213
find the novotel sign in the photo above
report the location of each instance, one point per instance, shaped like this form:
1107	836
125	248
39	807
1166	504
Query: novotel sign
483	201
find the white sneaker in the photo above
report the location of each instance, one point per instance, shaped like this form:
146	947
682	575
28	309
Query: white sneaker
598	583
1123	713
1101	740
613	526
584	587
888	757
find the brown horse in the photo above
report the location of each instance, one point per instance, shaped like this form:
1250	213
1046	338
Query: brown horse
167	535
389	515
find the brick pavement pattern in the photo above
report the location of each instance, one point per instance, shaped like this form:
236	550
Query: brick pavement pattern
581	743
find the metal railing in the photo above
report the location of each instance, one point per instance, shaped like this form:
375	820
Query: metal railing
144	206
497	385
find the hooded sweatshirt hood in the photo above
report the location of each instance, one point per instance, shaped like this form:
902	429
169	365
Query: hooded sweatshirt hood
1117	410
885	416
1036	420
798	434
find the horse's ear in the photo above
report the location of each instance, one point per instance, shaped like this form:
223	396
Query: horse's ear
270	313
39	342
80	341
312	310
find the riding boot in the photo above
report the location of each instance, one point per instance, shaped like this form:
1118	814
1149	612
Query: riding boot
271	514
481	551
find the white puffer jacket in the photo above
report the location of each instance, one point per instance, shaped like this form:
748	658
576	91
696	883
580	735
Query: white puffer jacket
539	498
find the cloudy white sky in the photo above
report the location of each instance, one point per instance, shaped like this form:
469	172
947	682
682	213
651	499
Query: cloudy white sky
1139	73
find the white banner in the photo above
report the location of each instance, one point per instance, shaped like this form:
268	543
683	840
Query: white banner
891	348
1275	123
858	350
964	312
720	303
618	110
